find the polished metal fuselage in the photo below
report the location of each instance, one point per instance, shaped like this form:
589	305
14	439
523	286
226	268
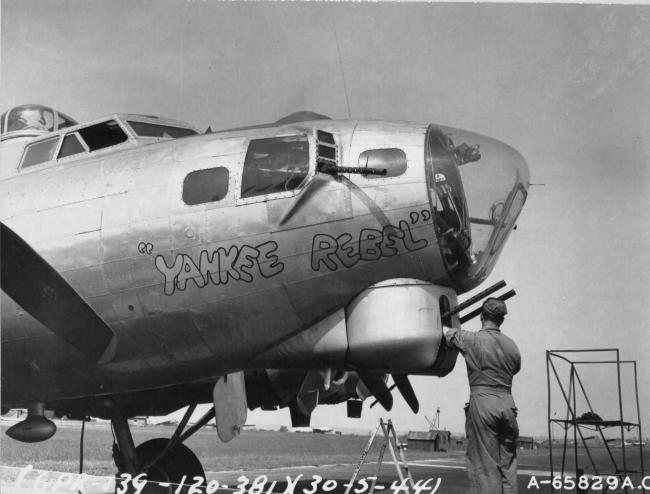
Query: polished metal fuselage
115	226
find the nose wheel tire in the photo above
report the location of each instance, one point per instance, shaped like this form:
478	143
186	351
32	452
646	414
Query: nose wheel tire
170	470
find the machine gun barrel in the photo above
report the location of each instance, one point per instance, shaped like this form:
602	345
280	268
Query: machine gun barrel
479	296
476	312
333	169
362	170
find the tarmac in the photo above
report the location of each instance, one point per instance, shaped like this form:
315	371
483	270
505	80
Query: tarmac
437	476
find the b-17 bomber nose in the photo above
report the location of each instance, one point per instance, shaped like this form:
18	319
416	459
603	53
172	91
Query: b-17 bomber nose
477	188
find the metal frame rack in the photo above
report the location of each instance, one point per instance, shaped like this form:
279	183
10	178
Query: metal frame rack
569	393
392	443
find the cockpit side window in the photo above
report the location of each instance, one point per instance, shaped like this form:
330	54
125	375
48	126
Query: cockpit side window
70	146
203	186
39	152
276	164
145	129
103	135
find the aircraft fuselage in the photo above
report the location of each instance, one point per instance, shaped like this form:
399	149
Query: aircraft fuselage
195	290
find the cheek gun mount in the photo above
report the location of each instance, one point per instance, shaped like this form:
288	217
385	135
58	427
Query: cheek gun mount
476	298
327	158
333	169
463	319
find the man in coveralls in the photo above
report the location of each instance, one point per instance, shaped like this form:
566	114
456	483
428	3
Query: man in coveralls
491	418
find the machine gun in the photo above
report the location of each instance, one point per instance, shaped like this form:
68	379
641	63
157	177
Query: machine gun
476	298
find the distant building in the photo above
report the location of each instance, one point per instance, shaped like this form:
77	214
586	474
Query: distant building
525	442
323	430
139	421
428	440
302	430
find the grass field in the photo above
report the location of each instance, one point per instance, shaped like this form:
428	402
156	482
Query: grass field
258	450
251	450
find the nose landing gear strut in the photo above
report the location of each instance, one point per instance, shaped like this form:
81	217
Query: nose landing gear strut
167	463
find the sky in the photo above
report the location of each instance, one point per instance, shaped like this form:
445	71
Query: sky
566	85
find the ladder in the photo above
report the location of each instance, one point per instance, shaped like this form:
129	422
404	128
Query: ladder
389	441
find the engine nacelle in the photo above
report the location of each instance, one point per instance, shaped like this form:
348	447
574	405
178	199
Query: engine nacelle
392	326
396	325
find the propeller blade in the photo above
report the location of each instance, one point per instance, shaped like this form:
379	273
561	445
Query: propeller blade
362	390
377	386
307	402
39	289
307	397
404	385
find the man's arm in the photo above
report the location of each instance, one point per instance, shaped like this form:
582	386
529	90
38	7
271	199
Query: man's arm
455	337
517	362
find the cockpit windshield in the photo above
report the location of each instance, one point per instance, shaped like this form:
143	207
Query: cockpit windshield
478	187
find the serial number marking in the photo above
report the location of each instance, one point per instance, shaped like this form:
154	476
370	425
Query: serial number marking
590	483
261	485
43	481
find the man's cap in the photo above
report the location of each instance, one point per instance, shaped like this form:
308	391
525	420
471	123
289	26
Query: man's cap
494	307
